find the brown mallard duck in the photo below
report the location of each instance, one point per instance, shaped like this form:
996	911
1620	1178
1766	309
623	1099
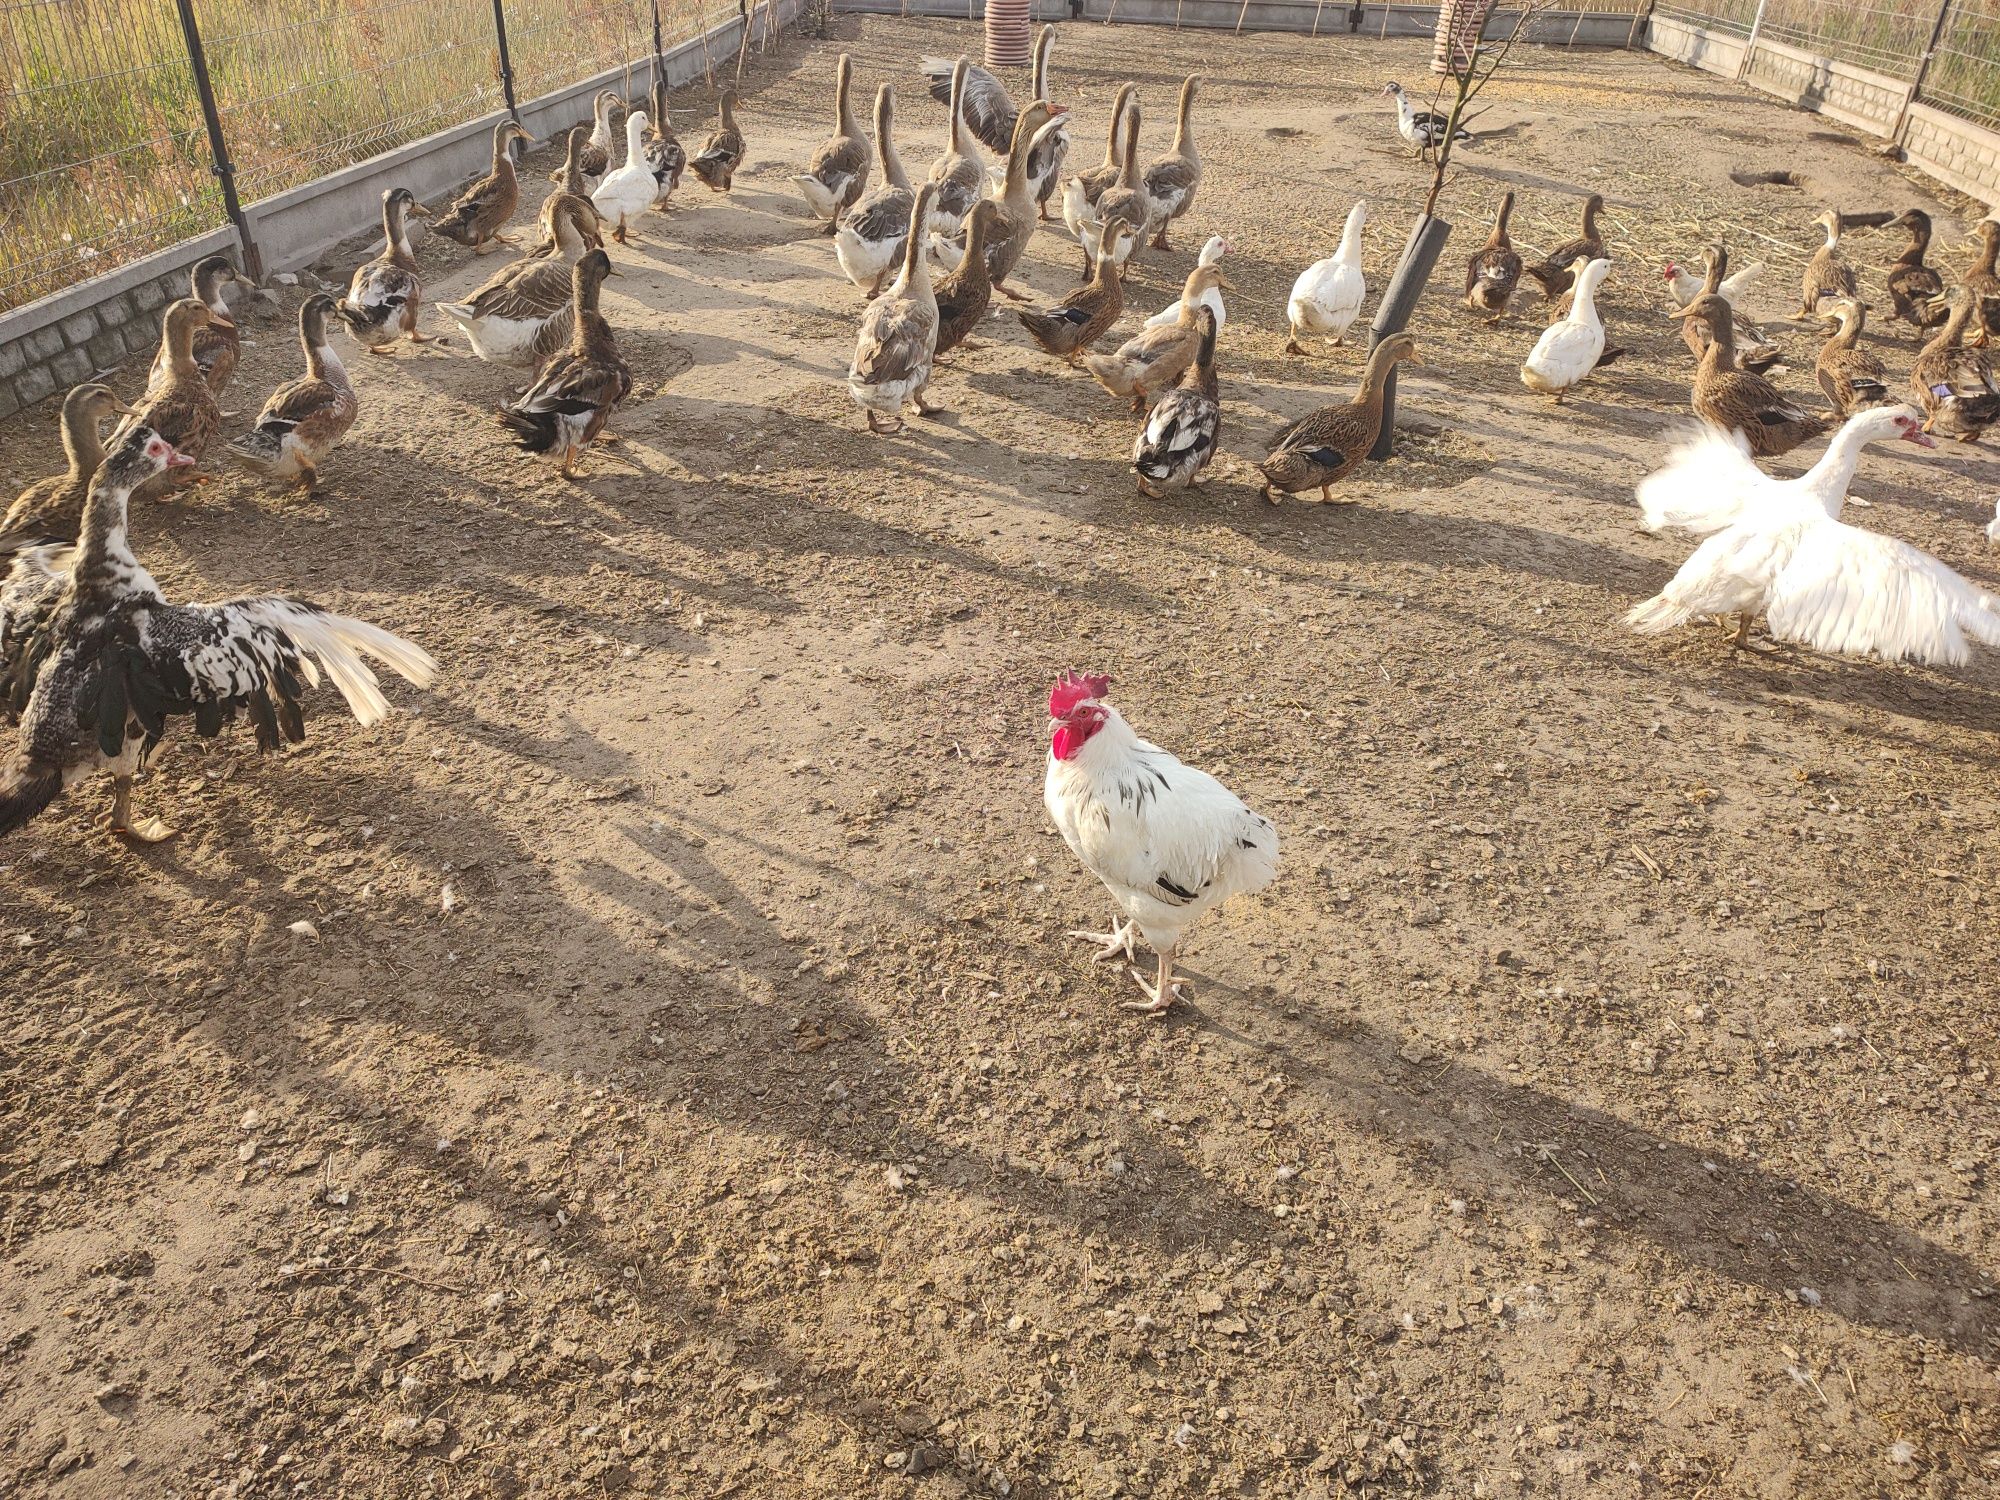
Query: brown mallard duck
181	408
1324	447
1914	287
1494	271
838	171
1851	376
1827	274
1754	352
217	346
718	159
1171	181
305	419
1082	316
1953	383
47	510
1553	271
1737	400
1984	285
383	298
964	295
574	396
475	219
1153	359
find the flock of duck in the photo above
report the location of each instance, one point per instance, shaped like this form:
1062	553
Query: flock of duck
94	661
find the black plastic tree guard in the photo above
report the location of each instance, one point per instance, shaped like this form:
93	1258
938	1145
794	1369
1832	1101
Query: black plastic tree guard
1399	301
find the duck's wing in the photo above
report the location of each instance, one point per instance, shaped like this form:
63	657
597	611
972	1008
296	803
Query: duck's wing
1858	593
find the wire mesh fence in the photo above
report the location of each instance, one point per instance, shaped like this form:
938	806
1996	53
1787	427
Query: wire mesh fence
1964	75
104	154
1888	36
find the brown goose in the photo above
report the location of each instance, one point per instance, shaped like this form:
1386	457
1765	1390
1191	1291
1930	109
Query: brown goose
838	171
1171	181
960	174
718	159
1018	213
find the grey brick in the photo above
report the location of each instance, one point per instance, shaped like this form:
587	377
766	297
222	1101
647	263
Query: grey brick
34	383
44	344
8	404
138	337
71	367
79	328
12	358
106	350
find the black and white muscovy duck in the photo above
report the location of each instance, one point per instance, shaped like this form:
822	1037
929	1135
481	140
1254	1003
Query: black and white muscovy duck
94	660
1422	128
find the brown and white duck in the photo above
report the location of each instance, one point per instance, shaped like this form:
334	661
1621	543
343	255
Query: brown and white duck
304	419
1737	400
896	347
576	392
1915	287
722	153
1171	181
663	149
520	316
1828	276
1324	447
219	344
1494	271
48	509
1954	383
1555	272
1154	358
383	298
838	171
1180	434
1851	376
476	218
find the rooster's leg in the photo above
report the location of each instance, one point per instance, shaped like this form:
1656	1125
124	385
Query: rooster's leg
1160	994
1117	943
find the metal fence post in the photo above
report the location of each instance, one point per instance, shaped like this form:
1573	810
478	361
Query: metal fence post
1750	45
218	148
1923	68
659	51
506	61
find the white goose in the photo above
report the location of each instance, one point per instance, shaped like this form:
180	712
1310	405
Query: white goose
1326	299
1211	296
1569	349
1824	584
628	191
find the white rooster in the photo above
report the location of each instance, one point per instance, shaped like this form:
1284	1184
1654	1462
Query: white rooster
1168	841
1816	580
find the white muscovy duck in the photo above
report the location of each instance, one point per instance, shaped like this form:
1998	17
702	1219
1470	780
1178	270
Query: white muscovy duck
1571	347
1326	299
1168	841
1820	582
100	664
1422	128
1211	295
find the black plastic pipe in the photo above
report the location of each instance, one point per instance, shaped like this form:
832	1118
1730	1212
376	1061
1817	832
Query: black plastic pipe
1399	302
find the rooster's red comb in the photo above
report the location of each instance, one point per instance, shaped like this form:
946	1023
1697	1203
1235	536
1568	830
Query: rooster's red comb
1072	688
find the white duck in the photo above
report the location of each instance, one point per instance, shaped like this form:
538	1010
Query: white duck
1825	584
629	190
1422	128
1710	481
1326	299
1210	298
1569	349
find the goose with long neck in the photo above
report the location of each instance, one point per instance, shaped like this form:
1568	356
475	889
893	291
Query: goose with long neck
1094	183
838	171
1569	349
181	408
1325	446
477	217
665	154
1851	376
1172	180
304	419
383	298
1127	203
1046	160
1955	384
1741	400
1493	274
722	153
897	343
50	508
570	401
1915	288
1037	123
629	189
960	174
111	663
871	236
1326	298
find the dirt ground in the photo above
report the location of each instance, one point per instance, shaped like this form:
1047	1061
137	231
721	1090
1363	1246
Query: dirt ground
690	1090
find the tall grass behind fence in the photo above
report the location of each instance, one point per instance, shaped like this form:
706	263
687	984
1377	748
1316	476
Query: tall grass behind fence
103	154
1884	36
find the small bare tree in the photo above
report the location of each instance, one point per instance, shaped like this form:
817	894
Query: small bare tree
1467	72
